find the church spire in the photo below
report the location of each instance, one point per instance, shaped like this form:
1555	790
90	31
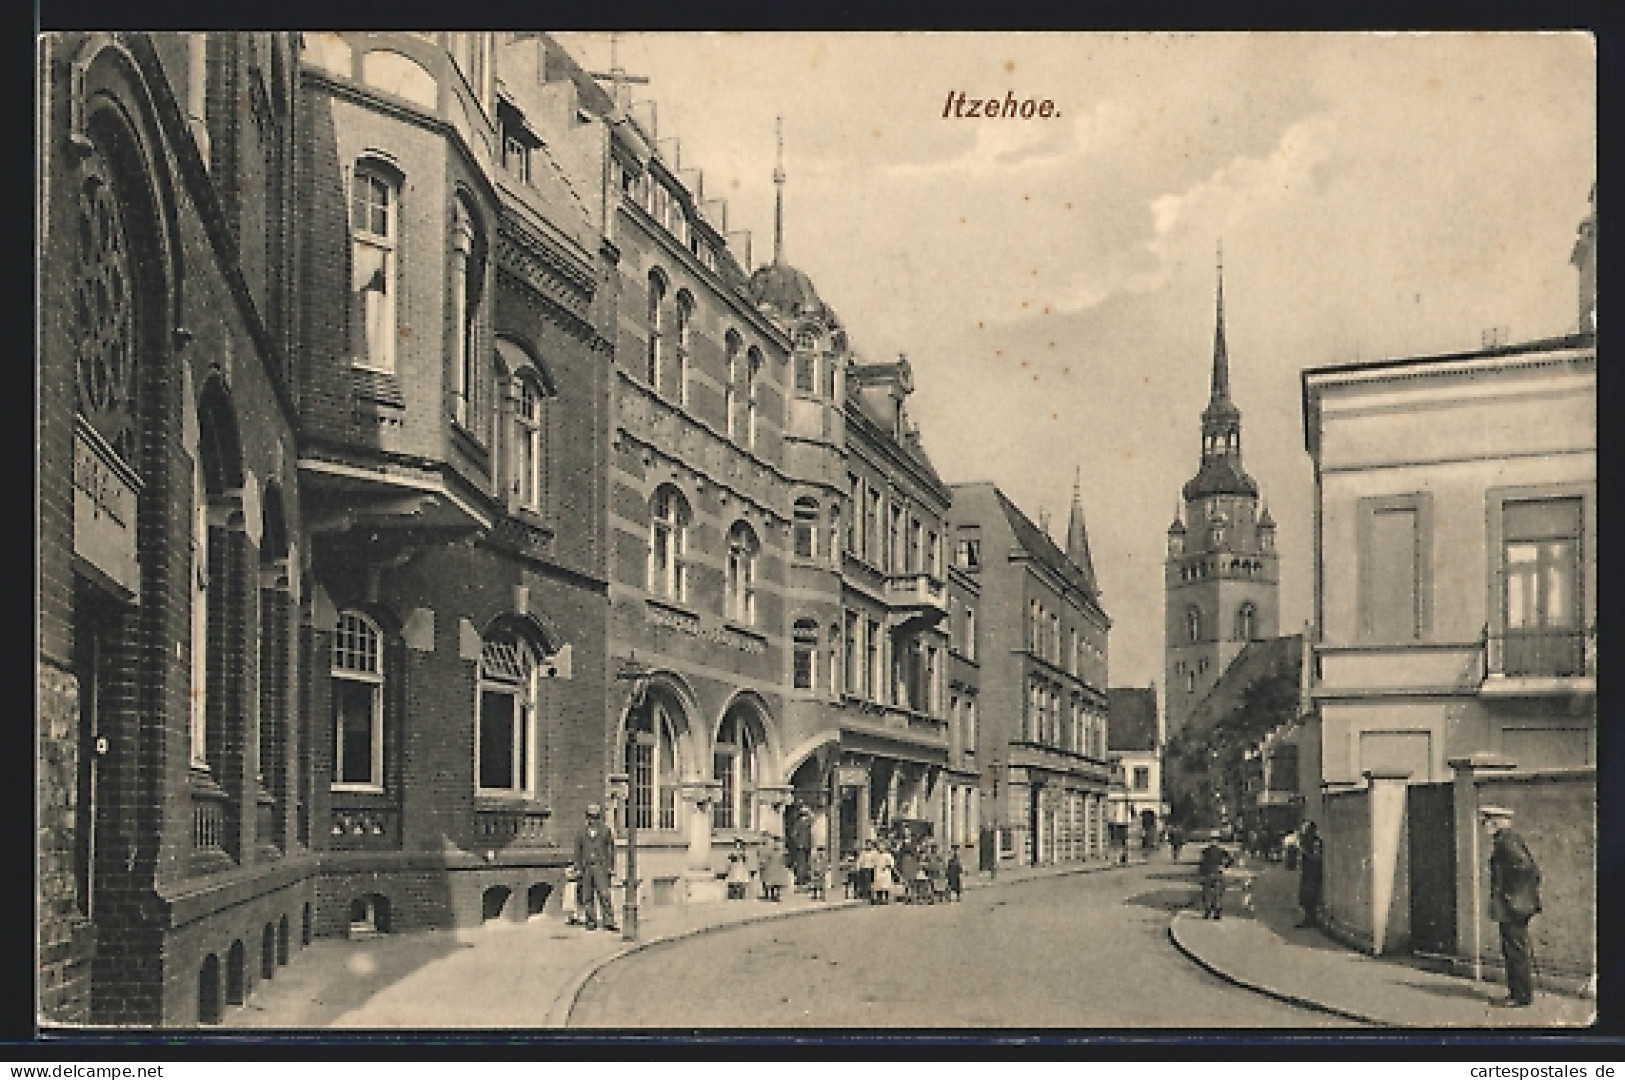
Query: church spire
1077	538
778	197
1221	356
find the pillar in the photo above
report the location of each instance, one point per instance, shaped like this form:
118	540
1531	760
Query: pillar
1390	891
698	796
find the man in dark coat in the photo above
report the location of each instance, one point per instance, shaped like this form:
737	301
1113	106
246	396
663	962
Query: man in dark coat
1514	900
1311	874
595	862
799	840
1211	872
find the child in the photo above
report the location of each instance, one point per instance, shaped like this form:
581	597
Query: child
818	873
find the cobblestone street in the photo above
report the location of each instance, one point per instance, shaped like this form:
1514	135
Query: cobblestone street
1086	950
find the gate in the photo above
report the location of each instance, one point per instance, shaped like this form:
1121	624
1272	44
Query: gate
1430	809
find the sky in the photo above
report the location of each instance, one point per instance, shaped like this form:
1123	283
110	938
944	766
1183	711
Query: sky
1052	281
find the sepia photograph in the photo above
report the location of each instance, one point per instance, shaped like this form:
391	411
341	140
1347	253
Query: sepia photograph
752	531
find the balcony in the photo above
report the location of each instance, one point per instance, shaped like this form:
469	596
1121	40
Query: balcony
508	826
916	600
1538	662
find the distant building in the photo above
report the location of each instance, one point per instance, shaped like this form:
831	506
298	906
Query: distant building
1041	740
1134	747
1221	578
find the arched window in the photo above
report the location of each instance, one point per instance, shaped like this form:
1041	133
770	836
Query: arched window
505	716
668	541
685	320
804	638
657	306
730	393
655	774
740	598
358	704
1244	622
753	373
467	278
1193	623
734	766
374	240
530	446
199	720
806	528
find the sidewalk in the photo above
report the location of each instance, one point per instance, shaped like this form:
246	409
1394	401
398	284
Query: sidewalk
501	974
1265	950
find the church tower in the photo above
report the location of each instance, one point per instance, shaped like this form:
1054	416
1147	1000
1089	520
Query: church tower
1221	578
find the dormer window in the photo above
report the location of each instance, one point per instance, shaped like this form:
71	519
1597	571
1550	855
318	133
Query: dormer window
517	141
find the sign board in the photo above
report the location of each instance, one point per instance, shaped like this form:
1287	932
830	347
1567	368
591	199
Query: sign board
104	497
851	776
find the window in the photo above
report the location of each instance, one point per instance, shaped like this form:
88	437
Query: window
804	639
1394	539
916	546
657	304
1190	682
374	224
655	773
358	704
1142	777
874	530
894	541
969	555
854	653
876	679
529	445
1193	623
668	542
970	725
685	321
854	528
806	365
467	275
806	528
933	548
199	717
753	373
504	734
740	598
734	767
970	633
515	155
1245	622
730	393
1540	549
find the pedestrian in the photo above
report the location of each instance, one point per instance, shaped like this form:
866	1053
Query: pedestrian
799	839
738	871
1311	873
1211	872
885	876
595	863
1514	900
956	875
817	873
1176	840
868	863
908	868
936	870
776	877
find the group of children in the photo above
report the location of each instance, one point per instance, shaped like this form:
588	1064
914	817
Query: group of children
910	872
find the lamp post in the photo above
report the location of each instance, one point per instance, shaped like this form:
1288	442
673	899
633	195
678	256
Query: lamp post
637	674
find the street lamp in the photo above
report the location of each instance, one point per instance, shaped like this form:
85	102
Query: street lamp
638	674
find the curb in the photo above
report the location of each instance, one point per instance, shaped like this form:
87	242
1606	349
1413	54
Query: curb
1259	988
558	1014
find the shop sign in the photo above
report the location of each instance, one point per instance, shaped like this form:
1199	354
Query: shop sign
104	497
851	776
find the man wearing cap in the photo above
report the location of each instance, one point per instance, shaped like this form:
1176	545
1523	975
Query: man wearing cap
595	862
1514	900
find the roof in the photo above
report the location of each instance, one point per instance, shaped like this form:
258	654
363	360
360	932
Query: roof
1257	659
1220	474
788	291
1131	718
1040	546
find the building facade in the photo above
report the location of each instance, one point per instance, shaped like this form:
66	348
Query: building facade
1138	809
1041	735
1221	578
175	843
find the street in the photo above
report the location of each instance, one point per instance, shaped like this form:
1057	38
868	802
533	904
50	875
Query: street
1079	951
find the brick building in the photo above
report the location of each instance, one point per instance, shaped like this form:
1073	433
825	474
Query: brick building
452	389
1041	741
174	842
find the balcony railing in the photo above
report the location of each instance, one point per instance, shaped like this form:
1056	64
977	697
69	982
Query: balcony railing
1541	654
916	590
505	826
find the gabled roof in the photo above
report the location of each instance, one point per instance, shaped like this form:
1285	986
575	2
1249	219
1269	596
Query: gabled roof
1033	540
1131	718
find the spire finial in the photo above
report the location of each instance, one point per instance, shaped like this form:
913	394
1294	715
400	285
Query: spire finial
1221	358
778	196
